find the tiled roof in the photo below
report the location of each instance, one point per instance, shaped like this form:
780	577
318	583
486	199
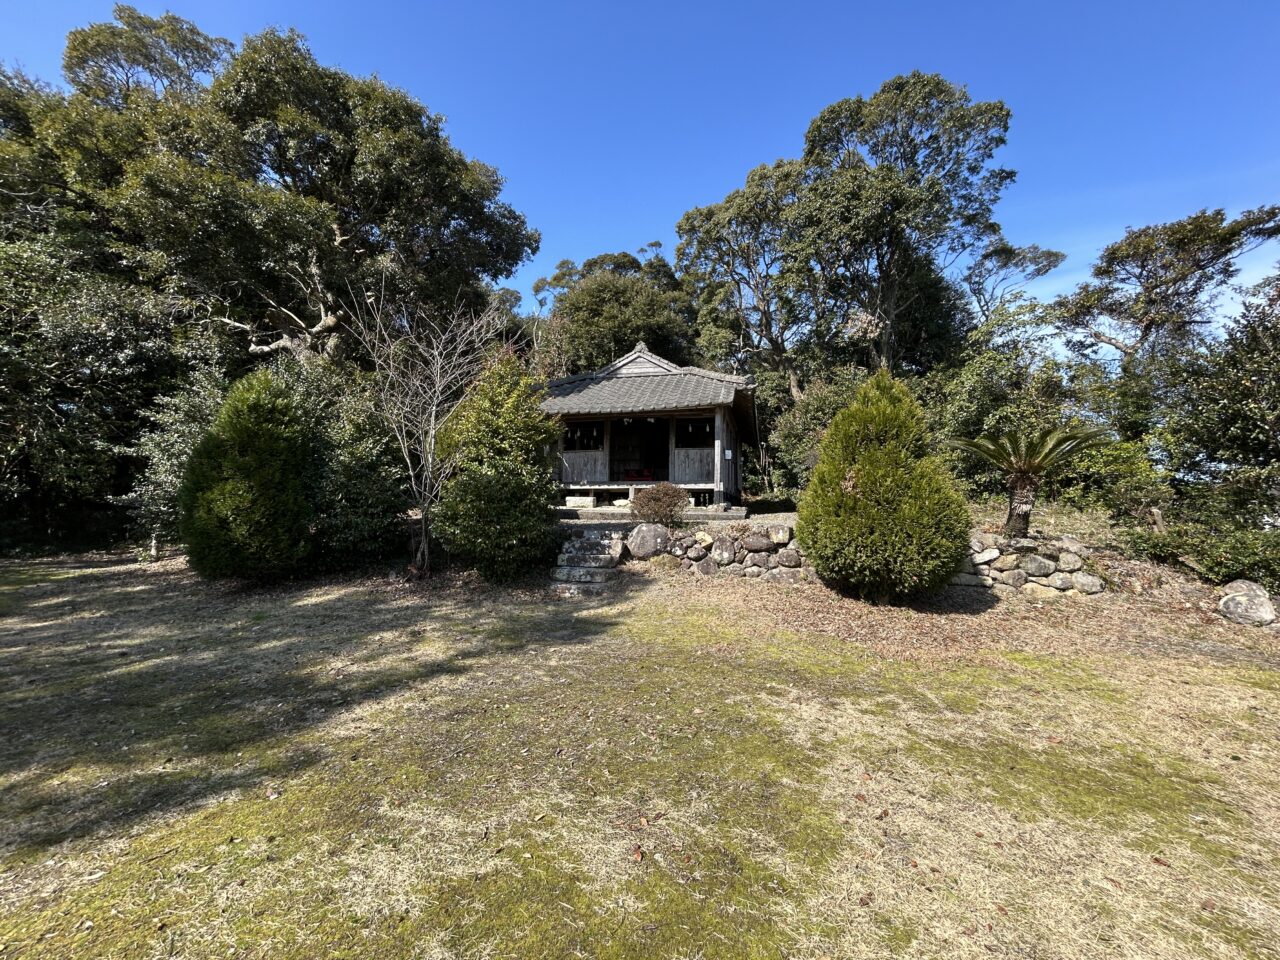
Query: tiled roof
650	384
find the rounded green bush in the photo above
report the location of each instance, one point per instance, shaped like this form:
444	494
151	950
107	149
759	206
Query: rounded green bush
881	517
245	504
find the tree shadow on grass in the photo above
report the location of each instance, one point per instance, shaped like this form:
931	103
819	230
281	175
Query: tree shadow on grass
130	691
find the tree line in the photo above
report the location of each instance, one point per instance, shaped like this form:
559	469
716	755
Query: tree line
181	211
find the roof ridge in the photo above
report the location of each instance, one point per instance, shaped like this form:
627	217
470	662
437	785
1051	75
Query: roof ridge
715	374
605	373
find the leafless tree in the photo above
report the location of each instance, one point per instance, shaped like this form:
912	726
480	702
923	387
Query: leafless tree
424	362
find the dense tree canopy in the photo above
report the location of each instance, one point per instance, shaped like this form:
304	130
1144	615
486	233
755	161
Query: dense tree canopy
1162	282
177	188
899	183
180	210
600	310
1232	417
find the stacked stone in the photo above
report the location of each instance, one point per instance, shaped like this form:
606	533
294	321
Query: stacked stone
1027	566
768	553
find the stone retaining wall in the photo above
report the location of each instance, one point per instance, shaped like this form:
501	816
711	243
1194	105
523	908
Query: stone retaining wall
768	552
1039	568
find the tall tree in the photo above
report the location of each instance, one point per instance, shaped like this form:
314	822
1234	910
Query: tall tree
1153	295
898	182
995	277
113	62
1232	410
601	309
1161	282
735	251
175	180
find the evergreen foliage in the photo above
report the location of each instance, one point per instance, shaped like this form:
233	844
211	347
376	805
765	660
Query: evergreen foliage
495	513
1220	556
881	516
247	497
295	472
798	433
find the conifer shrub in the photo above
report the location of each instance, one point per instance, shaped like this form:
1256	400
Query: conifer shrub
882	517
246	501
495	514
662	503
292	472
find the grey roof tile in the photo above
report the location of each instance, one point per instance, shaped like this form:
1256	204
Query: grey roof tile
667	387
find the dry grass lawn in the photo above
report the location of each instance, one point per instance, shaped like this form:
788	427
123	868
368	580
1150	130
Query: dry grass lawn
690	769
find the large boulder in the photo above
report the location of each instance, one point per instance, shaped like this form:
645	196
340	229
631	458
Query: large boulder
757	542
1248	609
1008	561
722	551
986	556
1247	587
648	540
757	558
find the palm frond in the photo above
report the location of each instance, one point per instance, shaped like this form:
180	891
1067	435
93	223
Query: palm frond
1032	452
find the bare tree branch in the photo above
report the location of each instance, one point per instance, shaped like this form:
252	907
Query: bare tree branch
424	363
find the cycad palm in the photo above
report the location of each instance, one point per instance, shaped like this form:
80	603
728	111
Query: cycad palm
1025	457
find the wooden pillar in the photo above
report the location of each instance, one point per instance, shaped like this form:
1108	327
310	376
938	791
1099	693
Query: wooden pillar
607	430
718	472
671	449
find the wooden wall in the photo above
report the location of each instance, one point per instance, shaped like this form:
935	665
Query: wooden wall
584	466
704	465
692	465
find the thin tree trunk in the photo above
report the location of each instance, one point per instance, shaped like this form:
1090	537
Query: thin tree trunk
1022	497
422	556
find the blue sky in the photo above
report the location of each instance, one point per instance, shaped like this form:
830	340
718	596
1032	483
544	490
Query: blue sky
609	120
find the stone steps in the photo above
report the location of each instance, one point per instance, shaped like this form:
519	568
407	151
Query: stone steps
582	574
598	558
586	563
571	591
